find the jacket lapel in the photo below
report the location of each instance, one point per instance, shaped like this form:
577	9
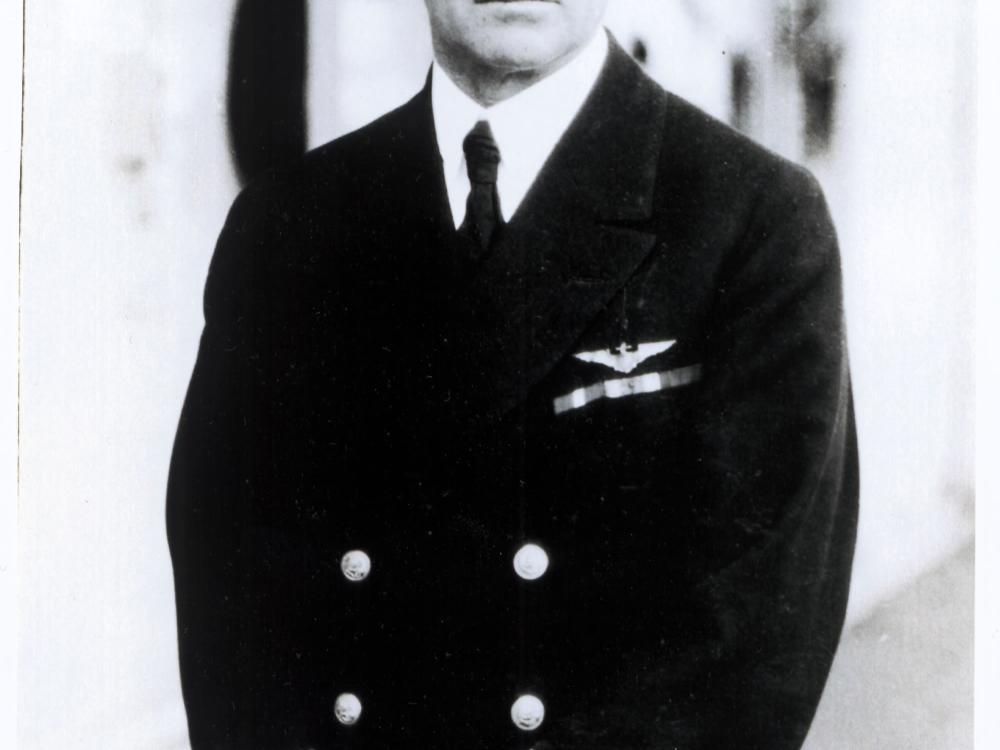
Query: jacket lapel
574	242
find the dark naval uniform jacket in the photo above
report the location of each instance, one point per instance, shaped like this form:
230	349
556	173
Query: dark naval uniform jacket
607	472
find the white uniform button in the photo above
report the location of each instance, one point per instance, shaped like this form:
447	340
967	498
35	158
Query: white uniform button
531	562
527	713
347	708
355	565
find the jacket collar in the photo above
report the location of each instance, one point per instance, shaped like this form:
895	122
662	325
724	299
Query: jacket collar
606	163
570	248
526	126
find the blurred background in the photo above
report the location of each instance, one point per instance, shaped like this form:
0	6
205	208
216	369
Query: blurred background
142	119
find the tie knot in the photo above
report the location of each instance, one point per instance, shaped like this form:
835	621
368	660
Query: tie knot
481	154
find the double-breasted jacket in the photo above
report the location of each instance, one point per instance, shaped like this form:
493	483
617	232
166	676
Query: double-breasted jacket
595	490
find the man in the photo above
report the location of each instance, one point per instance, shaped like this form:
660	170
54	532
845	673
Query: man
521	418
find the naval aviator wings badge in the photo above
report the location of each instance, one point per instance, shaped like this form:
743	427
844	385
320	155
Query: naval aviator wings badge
624	359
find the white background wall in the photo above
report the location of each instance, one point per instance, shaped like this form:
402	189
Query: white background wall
10	155
127	180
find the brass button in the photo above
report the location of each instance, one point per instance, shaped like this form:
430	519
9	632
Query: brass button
347	709
527	713
531	562
355	565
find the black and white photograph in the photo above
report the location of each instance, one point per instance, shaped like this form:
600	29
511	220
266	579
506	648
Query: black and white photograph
500	374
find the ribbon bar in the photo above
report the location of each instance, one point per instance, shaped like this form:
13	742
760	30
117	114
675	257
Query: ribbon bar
649	383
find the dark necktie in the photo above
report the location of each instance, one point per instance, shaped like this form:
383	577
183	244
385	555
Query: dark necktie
482	209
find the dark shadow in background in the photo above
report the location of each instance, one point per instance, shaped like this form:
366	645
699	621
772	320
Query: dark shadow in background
819	65
805	34
267	85
639	52
741	90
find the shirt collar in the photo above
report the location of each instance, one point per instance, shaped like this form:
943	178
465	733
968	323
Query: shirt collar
527	126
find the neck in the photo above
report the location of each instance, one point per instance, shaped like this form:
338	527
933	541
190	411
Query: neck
488	85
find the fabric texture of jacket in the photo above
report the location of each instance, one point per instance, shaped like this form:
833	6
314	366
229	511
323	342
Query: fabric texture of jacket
646	377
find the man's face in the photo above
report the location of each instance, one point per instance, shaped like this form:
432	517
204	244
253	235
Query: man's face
513	35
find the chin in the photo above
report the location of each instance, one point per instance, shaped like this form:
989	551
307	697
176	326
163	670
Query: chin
520	49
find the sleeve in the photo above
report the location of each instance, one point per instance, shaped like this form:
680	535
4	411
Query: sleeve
778	478
212	478
777	489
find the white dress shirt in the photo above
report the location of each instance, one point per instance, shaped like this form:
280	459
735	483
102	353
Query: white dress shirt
527	126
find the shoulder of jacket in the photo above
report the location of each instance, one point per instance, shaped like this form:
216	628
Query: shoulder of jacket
332	168
731	161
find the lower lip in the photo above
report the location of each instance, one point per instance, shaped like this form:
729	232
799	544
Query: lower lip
517	3
516	14
517	6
